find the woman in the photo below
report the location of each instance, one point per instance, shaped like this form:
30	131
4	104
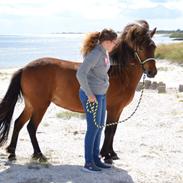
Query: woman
94	82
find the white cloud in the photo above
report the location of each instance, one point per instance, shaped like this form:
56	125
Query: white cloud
158	12
177	4
93	9
84	15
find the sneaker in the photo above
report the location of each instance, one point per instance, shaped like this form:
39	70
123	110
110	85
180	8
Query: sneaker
91	167
100	164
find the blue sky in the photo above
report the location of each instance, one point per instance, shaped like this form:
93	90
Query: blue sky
47	16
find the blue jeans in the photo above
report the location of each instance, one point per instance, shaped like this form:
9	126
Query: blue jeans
93	134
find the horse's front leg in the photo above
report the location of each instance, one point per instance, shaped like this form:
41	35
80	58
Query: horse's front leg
113	154
107	149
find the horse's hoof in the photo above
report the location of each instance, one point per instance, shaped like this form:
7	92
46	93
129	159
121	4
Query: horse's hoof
12	157
108	161
115	157
43	159
40	157
10	150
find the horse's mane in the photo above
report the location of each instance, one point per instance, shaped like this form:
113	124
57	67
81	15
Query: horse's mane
133	37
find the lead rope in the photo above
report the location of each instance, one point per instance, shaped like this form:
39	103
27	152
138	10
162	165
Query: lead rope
92	108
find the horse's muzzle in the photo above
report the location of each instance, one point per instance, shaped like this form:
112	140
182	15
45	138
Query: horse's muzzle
151	74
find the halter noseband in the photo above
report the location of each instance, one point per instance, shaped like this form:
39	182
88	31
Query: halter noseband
144	61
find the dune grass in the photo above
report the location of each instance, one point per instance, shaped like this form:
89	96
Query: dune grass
177	35
66	115
172	52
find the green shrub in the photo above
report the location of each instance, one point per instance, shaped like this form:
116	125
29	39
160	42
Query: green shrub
172	52
68	115
177	35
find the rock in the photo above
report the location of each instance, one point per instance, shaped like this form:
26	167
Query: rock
161	84
147	84
180	88
161	87
154	85
139	86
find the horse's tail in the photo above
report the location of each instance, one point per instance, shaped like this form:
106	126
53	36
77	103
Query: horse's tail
7	105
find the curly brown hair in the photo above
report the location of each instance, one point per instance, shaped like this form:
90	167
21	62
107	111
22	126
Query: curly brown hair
94	38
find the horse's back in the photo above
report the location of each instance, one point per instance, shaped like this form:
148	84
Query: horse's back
51	80
53	62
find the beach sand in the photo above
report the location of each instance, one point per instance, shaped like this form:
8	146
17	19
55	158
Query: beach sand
149	144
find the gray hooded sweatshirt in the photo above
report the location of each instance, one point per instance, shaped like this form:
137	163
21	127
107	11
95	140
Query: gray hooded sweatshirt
92	73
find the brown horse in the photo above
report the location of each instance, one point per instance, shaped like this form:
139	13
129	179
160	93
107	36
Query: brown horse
49	80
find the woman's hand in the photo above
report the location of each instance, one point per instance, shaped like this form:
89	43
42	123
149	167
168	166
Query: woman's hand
92	99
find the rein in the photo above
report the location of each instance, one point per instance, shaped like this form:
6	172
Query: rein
92	107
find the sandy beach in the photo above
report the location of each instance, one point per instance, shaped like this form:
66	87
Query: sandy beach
149	144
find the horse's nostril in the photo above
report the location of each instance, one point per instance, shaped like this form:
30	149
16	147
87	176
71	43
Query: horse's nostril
149	72
155	72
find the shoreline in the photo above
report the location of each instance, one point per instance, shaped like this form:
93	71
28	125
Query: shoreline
165	73
9	70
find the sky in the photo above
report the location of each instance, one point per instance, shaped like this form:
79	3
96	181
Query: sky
52	16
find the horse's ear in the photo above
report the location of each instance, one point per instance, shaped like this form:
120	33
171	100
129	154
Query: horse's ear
153	32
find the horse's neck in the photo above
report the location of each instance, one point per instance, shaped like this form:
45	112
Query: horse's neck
136	74
133	74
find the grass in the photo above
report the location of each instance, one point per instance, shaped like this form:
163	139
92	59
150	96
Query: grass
177	35
172	52
163	69
68	115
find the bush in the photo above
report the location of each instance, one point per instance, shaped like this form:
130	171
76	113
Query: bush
68	115
177	35
172	52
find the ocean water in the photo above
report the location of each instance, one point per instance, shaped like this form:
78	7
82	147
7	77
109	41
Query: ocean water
18	50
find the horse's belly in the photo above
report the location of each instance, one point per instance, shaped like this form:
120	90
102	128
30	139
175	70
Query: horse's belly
68	102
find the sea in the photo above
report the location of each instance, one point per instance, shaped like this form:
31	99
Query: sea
19	50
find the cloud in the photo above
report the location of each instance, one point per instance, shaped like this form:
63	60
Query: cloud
71	15
159	1
93	9
158	12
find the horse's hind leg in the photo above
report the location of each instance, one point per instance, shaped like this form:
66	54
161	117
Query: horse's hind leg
32	128
19	123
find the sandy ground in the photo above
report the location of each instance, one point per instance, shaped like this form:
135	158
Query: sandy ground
149	144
